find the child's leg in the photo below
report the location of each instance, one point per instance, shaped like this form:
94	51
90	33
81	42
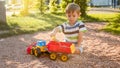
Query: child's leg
79	50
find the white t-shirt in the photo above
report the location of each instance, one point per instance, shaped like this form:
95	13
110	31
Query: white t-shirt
71	32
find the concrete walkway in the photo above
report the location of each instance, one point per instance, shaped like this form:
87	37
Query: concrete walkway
103	10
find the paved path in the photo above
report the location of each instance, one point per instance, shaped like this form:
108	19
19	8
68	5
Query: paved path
103	10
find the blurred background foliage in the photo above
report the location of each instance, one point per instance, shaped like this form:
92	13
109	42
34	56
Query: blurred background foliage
30	16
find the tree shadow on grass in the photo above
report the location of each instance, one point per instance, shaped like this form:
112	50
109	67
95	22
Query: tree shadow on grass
4	26
13	30
90	19
53	19
5	30
114	26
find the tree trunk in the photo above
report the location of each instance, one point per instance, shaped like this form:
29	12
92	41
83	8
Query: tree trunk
2	12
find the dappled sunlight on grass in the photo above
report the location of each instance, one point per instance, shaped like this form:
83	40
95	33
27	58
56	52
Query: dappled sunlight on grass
54	19
32	23
100	17
47	21
113	26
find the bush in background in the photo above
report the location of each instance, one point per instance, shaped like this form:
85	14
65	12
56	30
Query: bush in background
53	6
83	6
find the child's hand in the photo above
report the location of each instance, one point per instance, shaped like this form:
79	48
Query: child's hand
53	38
55	30
81	49
52	34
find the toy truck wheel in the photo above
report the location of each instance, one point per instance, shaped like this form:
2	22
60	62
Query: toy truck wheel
37	52
64	57
32	51
53	56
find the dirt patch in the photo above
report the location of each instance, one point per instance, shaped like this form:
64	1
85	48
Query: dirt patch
102	50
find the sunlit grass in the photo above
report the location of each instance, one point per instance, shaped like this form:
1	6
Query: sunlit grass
113	26
41	22
101	17
32	23
113	29
27	23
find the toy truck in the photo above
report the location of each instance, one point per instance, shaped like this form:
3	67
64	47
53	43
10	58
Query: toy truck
30	47
53	48
63	48
39	48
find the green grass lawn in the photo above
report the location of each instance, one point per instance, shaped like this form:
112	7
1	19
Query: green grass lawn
113	26
34	22
41	22
101	17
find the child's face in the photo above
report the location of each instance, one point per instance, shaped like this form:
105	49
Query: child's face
72	17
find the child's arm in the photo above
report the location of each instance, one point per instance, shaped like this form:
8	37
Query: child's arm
82	29
54	32
80	38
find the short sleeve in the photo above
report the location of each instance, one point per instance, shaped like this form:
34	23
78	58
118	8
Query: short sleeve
62	27
82	27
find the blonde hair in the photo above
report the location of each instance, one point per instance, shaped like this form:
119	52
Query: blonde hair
72	7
